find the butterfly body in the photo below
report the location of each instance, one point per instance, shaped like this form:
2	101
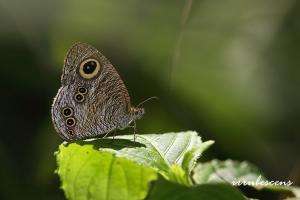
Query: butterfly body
93	99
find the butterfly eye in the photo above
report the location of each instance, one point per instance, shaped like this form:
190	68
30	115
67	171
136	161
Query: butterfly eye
67	112
79	97
70	121
89	68
82	90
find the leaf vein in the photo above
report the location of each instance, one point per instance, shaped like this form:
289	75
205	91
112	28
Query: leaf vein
185	149
156	150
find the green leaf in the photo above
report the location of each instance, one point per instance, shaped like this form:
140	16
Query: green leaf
239	174
171	154
164	190
103	168
226	171
87	173
192	155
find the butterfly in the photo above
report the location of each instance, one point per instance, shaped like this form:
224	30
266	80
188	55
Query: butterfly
92	100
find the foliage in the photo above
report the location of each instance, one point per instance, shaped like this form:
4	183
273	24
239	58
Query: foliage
90	174
230	171
151	166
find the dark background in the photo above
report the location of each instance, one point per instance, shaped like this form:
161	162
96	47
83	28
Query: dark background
227	69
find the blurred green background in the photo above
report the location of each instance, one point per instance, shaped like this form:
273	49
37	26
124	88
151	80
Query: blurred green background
227	69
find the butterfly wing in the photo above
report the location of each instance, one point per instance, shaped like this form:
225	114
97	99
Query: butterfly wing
106	102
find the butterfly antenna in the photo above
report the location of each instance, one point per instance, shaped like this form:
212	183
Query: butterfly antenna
150	98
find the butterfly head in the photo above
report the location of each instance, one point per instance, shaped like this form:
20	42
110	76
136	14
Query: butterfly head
137	113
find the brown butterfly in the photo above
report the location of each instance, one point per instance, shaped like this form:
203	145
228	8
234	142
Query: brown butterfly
93	99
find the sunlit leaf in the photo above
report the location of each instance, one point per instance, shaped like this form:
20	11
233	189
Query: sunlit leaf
171	154
226	171
87	173
241	174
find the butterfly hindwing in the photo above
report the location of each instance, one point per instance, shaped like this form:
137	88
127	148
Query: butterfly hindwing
94	92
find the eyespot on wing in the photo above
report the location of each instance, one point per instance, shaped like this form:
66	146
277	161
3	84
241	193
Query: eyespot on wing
89	68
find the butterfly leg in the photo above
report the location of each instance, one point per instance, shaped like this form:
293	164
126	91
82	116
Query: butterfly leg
115	132
113	136
134	129
105	135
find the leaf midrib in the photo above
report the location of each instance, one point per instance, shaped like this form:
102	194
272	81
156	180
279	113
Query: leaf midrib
156	150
